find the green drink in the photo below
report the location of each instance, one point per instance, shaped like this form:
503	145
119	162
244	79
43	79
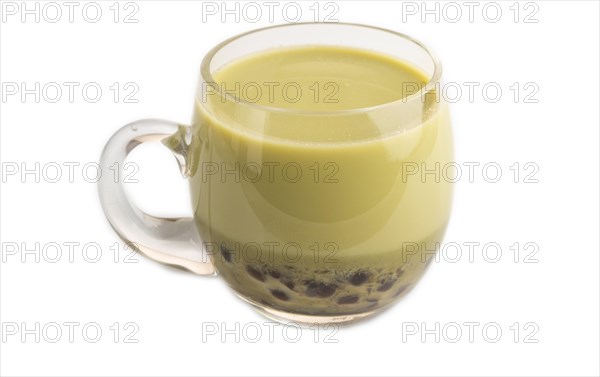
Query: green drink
315	218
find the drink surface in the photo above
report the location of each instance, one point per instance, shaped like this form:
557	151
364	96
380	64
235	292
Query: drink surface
298	78
313	206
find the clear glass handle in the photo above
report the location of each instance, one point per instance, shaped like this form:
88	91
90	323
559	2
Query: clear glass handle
172	241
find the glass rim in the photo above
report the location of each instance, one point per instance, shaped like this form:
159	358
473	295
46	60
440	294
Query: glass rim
431	83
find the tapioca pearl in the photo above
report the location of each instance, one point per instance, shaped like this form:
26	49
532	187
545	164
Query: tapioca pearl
288	283
349	299
318	289
386	284
280	294
226	253
258	275
274	273
399	271
359	278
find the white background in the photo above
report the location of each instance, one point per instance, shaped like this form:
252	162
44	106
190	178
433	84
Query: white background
161	54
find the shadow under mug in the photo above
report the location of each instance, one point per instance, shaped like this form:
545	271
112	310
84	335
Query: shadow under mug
313	232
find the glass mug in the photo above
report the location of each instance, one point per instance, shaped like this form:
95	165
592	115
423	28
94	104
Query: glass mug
315	215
